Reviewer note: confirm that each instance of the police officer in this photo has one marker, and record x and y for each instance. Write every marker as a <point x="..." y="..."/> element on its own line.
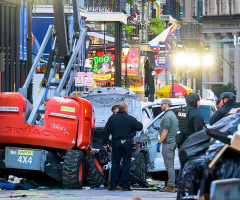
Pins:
<point x="228" y="101"/>
<point x="190" y="120"/>
<point x="122" y="127"/>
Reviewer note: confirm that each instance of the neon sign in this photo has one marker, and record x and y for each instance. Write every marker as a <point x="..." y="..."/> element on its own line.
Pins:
<point x="102" y="59"/>
<point x="102" y="64"/>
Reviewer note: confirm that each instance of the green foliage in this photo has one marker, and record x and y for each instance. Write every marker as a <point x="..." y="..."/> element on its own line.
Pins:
<point x="156" y="26"/>
<point x="130" y="2"/>
<point x="224" y="88"/>
<point x="113" y="31"/>
<point x="128" y="30"/>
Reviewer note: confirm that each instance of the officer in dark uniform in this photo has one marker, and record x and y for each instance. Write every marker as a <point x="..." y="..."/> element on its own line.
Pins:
<point x="190" y="119"/>
<point x="228" y="101"/>
<point x="122" y="127"/>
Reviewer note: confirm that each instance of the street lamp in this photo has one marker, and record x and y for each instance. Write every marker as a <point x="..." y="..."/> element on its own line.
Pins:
<point x="126" y="48"/>
<point x="194" y="60"/>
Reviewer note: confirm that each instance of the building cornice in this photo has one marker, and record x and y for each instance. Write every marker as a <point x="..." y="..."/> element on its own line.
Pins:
<point x="90" y="16"/>
<point x="207" y="18"/>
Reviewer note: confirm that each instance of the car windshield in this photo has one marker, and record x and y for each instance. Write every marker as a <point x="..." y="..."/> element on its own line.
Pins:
<point x="206" y="112"/>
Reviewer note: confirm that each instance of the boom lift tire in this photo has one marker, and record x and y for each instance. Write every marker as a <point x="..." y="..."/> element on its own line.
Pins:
<point x="95" y="176"/>
<point x="141" y="167"/>
<point x="4" y="174"/>
<point x="73" y="169"/>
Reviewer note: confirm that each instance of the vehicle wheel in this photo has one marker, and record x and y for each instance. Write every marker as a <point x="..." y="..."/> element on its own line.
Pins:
<point x="141" y="167"/>
<point x="73" y="169"/>
<point x="4" y="174"/>
<point x="95" y="176"/>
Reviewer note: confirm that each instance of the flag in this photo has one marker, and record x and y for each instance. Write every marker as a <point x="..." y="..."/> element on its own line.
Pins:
<point x="172" y="39"/>
<point x="161" y="37"/>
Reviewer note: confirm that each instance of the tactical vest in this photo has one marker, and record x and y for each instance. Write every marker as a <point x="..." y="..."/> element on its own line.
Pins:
<point x="183" y="122"/>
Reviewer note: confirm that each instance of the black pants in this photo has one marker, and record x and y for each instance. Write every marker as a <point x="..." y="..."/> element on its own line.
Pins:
<point x="125" y="151"/>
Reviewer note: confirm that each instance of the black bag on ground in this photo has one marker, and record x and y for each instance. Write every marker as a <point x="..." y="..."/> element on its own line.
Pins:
<point x="193" y="147"/>
<point x="192" y="174"/>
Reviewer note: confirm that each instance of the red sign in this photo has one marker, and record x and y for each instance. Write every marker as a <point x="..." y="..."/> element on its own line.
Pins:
<point x="101" y="53"/>
<point x="133" y="60"/>
<point x="159" y="70"/>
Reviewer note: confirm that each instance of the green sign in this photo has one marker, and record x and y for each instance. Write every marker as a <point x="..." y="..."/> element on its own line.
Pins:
<point x="67" y="109"/>
<point x="101" y="64"/>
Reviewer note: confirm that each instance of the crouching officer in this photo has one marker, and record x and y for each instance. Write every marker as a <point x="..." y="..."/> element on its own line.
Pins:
<point x="190" y="119"/>
<point x="228" y="101"/>
<point x="121" y="126"/>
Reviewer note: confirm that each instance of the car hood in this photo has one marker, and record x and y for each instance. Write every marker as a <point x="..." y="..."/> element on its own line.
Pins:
<point x="102" y="100"/>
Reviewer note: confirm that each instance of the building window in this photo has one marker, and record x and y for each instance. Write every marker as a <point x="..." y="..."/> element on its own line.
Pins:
<point x="210" y="7"/>
<point x="221" y="6"/>
<point x="230" y="6"/>
<point x="234" y="6"/>
<point x="218" y="4"/>
<point x="206" y="6"/>
<point x="194" y="8"/>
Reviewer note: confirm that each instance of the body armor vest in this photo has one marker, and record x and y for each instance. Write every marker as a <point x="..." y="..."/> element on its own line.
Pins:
<point x="183" y="122"/>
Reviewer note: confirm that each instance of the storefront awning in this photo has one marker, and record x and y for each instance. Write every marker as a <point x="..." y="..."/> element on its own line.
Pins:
<point x="101" y="36"/>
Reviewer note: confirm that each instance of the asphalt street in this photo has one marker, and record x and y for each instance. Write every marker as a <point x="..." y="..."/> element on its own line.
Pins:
<point x="102" y="194"/>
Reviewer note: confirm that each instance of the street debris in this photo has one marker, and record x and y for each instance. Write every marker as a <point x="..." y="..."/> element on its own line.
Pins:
<point x="213" y="154"/>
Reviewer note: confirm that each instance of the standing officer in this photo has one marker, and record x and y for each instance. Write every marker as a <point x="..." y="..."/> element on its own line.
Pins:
<point x="122" y="127"/>
<point x="228" y="101"/>
<point x="168" y="132"/>
<point x="190" y="120"/>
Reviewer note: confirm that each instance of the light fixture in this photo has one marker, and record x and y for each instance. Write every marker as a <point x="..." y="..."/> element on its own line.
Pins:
<point x="207" y="60"/>
<point x="193" y="60"/>
<point x="180" y="59"/>
<point x="87" y="64"/>
<point x="88" y="41"/>
<point x="125" y="49"/>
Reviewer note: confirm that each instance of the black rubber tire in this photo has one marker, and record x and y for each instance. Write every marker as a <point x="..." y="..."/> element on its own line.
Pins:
<point x="95" y="176"/>
<point x="73" y="175"/>
<point x="141" y="167"/>
<point x="4" y="174"/>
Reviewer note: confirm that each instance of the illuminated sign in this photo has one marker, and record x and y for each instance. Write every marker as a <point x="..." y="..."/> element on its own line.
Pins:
<point x="133" y="61"/>
<point x="103" y="77"/>
<point x="102" y="67"/>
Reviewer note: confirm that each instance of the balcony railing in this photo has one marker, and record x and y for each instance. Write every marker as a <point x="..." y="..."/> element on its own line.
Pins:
<point x="92" y="5"/>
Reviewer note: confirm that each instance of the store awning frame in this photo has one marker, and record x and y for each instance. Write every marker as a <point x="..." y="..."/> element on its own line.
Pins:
<point x="101" y="36"/>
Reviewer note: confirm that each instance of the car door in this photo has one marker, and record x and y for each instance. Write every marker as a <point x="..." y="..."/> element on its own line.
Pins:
<point x="149" y="137"/>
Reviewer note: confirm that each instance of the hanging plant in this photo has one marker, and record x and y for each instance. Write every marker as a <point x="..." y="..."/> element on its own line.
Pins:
<point x="129" y="30"/>
<point x="130" y="2"/>
<point x="113" y="31"/>
<point x="156" y="26"/>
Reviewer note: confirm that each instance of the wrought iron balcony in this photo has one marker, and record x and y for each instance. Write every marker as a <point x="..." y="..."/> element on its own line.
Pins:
<point x="92" y="5"/>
